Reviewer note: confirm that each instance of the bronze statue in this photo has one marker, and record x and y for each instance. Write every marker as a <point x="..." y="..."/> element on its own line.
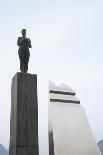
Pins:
<point x="23" y="52"/>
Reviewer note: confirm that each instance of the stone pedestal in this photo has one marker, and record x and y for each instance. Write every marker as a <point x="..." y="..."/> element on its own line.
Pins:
<point x="24" y="115"/>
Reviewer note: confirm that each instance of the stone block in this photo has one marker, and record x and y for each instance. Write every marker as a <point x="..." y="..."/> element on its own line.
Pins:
<point x="24" y="115"/>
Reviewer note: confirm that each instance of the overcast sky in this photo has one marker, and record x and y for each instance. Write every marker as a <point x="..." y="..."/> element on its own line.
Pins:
<point x="67" y="47"/>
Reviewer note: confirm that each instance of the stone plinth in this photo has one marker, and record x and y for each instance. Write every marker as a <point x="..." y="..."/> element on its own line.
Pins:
<point x="24" y="115"/>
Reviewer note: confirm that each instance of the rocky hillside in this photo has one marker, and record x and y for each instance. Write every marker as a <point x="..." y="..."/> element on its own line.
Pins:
<point x="100" y="145"/>
<point x="3" y="151"/>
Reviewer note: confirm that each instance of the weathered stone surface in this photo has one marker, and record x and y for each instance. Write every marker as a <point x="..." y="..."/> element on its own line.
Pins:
<point x="24" y="115"/>
<point x="25" y="151"/>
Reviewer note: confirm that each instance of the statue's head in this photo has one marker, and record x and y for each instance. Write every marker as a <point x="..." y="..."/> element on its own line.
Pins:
<point x="23" y="32"/>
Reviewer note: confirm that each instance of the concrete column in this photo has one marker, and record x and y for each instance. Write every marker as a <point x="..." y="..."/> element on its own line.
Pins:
<point x="24" y="115"/>
<point x="71" y="132"/>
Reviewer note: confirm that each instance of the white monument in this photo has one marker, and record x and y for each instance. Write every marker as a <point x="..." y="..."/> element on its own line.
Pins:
<point x="68" y="123"/>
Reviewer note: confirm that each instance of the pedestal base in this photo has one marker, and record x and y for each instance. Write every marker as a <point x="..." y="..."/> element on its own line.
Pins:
<point x="24" y="151"/>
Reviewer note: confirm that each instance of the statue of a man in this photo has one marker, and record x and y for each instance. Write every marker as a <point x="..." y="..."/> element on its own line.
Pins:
<point x="23" y="52"/>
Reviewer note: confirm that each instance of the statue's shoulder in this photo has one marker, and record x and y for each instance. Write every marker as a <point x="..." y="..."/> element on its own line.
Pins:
<point x="19" y="38"/>
<point x="28" y="39"/>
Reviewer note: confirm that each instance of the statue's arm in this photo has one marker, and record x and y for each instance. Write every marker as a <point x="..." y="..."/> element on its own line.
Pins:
<point x="29" y="43"/>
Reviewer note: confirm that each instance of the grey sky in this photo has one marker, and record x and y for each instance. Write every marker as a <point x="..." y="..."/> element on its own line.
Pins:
<point x="67" y="40"/>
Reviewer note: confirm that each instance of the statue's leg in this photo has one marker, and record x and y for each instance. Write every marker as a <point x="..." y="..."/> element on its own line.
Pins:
<point x="26" y="67"/>
<point x="22" y="67"/>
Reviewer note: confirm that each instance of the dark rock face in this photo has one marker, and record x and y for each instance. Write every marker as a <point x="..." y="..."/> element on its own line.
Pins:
<point x="3" y="151"/>
<point x="100" y="145"/>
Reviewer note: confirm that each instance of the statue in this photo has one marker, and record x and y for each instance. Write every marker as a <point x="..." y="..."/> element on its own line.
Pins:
<point x="23" y="52"/>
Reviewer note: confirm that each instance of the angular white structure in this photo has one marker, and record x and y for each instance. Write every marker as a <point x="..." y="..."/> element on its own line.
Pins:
<point x="68" y="123"/>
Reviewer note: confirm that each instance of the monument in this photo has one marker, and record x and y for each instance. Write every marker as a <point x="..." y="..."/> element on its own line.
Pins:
<point x="23" y="52"/>
<point x="69" y="130"/>
<point x="24" y="106"/>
